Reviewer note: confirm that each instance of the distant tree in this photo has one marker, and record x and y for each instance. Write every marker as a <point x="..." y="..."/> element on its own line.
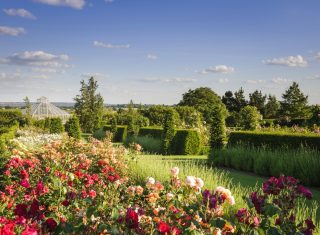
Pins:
<point x="204" y="100"/>
<point x="250" y="117"/>
<point x="294" y="103"/>
<point x="189" y="117"/>
<point x="240" y="100"/>
<point x="89" y="106"/>
<point x="258" y="100"/>
<point x="272" y="107"/>
<point x="72" y="127"/>
<point x="168" y="131"/>
<point x="28" y="108"/>
<point x="315" y="119"/>
<point x="230" y="102"/>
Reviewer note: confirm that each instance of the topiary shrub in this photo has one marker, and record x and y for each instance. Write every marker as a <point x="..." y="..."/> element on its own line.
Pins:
<point x="72" y="127"/>
<point x="186" y="142"/>
<point x="56" y="126"/>
<point x="217" y="128"/>
<point x="154" y="132"/>
<point x="119" y="136"/>
<point x="168" y="131"/>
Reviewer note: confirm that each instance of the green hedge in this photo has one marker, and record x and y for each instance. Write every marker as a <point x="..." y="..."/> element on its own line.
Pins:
<point x="5" y="136"/>
<point x="273" y="140"/>
<point x="186" y="142"/>
<point x="119" y="136"/>
<point x="154" y="132"/>
<point x="303" y="164"/>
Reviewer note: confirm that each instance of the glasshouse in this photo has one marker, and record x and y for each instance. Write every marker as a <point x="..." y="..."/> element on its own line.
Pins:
<point x="43" y="109"/>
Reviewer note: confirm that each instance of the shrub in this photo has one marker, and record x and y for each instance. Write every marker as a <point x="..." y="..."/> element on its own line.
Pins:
<point x="274" y="140"/>
<point x="56" y="126"/>
<point x="10" y="115"/>
<point x="148" y="143"/>
<point x="39" y="123"/>
<point x="154" y="132"/>
<point x="72" y="127"/>
<point x="168" y="131"/>
<point x="217" y="127"/>
<point x="250" y="118"/>
<point x="186" y="142"/>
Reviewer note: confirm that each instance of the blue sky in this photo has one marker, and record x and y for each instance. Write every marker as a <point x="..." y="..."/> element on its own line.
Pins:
<point x="153" y="51"/>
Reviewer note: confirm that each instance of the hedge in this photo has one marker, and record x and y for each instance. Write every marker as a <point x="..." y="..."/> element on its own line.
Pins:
<point x="274" y="140"/>
<point x="119" y="136"/>
<point x="7" y="135"/>
<point x="186" y="142"/>
<point x="154" y="132"/>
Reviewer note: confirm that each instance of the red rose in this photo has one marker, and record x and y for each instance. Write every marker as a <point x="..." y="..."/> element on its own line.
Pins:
<point x="175" y="230"/>
<point x="24" y="174"/>
<point x="30" y="231"/>
<point x="163" y="227"/>
<point x="132" y="219"/>
<point x="25" y="183"/>
<point x="21" y="210"/>
<point x="92" y="193"/>
<point x="7" y="229"/>
<point x="51" y="224"/>
<point x="66" y="203"/>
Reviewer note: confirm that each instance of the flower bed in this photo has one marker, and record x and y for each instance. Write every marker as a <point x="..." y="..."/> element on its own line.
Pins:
<point x="71" y="187"/>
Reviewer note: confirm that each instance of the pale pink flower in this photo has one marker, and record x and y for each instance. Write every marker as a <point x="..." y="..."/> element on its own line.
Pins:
<point x="191" y="181"/>
<point x="231" y="200"/>
<point x="175" y="171"/>
<point x="199" y="183"/>
<point x="169" y="196"/>
<point x="139" y="190"/>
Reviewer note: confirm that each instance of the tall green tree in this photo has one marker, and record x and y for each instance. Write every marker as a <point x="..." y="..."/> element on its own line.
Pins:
<point x="258" y="100"/>
<point x="72" y="127"/>
<point x="89" y="106"/>
<point x="230" y="101"/>
<point x="240" y="100"/>
<point x="168" y="131"/>
<point x="272" y="107"/>
<point x="294" y="103"/>
<point x="250" y="118"/>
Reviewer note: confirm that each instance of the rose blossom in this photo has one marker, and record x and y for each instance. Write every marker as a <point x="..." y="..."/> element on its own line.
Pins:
<point x="139" y="190"/>
<point x="199" y="183"/>
<point x="169" y="196"/>
<point x="175" y="171"/>
<point x="191" y="181"/>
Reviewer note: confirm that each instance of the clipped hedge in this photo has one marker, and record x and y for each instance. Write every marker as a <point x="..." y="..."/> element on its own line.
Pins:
<point x="186" y="142"/>
<point x="154" y="132"/>
<point x="272" y="140"/>
<point x="119" y="136"/>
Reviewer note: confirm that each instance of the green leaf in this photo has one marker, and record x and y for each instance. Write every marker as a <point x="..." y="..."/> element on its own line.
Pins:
<point x="90" y="211"/>
<point x="273" y="231"/>
<point x="115" y="214"/>
<point x="218" y="222"/>
<point x="271" y="209"/>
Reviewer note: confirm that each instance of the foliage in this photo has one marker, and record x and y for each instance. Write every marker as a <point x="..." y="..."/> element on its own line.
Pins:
<point x="240" y="100"/>
<point x="258" y="100"/>
<point x="156" y="114"/>
<point x="233" y="119"/>
<point x="230" y="101"/>
<point x="56" y="126"/>
<point x="272" y="107"/>
<point x="250" y="118"/>
<point x="168" y="131"/>
<point x="274" y="140"/>
<point x="189" y="117"/>
<point x="9" y="117"/>
<point x="119" y="136"/>
<point x="72" y="127"/>
<point x="301" y="163"/>
<point x="148" y="143"/>
<point x="294" y="104"/>
<point x="315" y="119"/>
<point x="186" y="142"/>
<point x="28" y="110"/>
<point x="89" y="106"/>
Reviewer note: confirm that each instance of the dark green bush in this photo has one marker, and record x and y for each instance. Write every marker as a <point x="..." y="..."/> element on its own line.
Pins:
<point x="56" y="125"/>
<point x="154" y="132"/>
<point x="72" y="127"/>
<point x="8" y="115"/>
<point x="186" y="142"/>
<point x="119" y="136"/>
<point x="274" y="140"/>
<point x="39" y="123"/>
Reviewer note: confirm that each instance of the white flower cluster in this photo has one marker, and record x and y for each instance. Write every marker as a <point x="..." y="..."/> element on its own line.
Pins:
<point x="35" y="141"/>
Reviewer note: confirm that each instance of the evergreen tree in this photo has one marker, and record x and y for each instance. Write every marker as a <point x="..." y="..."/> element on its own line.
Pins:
<point x="229" y="100"/>
<point x="168" y="131"/>
<point x="240" y="100"/>
<point x="56" y="126"/>
<point x="295" y="103"/>
<point x="258" y="100"/>
<point x="218" y="134"/>
<point x="272" y="107"/>
<point x="89" y="106"/>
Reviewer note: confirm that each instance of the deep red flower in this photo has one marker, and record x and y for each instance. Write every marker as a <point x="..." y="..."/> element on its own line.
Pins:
<point x="66" y="203"/>
<point x="51" y="224"/>
<point x="34" y="208"/>
<point x="163" y="227"/>
<point x="7" y="229"/>
<point x="175" y="230"/>
<point x="304" y="191"/>
<point x="21" y="210"/>
<point x="24" y="174"/>
<point x="92" y="193"/>
<point x="132" y="219"/>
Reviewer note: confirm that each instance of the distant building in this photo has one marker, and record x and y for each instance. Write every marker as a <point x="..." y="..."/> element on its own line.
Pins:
<point x="44" y="109"/>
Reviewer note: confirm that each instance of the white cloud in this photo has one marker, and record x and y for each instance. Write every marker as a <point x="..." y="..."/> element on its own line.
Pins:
<point x="95" y="75"/>
<point x="315" y="77"/>
<point x="47" y="70"/>
<point x="169" y="80"/>
<point x="5" y="30"/>
<point x="255" y="81"/>
<point x="280" y="80"/>
<point x="19" y="12"/>
<point x="290" y="61"/>
<point x="317" y="56"/>
<point x="110" y="46"/>
<point x="36" y="59"/>
<point x="9" y="76"/>
<point x="218" y="69"/>
<point x="152" y="57"/>
<point x="223" y="80"/>
<point x="76" y="4"/>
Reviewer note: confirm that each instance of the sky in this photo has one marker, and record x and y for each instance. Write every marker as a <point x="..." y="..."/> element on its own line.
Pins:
<point x="153" y="51"/>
